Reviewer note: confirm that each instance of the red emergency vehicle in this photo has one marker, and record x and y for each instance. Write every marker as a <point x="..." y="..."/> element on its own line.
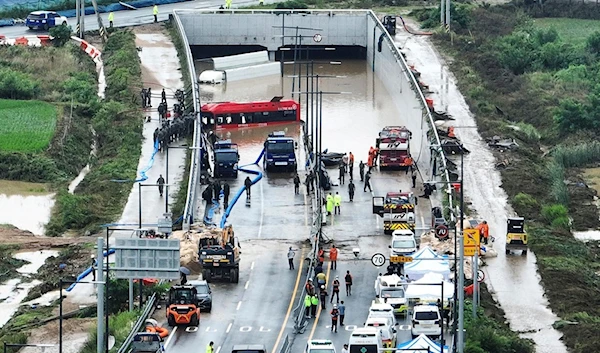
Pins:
<point x="232" y="115"/>
<point x="394" y="147"/>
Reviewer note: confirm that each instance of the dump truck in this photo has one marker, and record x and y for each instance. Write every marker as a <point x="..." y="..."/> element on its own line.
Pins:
<point x="394" y="147"/>
<point x="397" y="210"/>
<point x="219" y="255"/>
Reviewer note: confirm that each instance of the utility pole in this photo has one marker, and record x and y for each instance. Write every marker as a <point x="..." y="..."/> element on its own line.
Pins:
<point x="100" y="294"/>
<point x="461" y="270"/>
<point x="82" y="19"/>
<point x="448" y="15"/>
<point x="101" y="28"/>
<point x="77" y="17"/>
<point x="442" y="13"/>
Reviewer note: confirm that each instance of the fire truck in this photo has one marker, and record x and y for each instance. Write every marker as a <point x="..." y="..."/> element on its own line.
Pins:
<point x="397" y="210"/>
<point x="394" y="147"/>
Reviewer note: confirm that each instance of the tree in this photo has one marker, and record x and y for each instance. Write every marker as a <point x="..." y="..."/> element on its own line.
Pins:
<point x="593" y="43"/>
<point x="61" y="35"/>
<point x="571" y="116"/>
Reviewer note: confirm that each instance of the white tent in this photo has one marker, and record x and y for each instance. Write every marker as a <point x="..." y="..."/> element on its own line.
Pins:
<point x="425" y="253"/>
<point x="421" y="342"/>
<point x="419" y="289"/>
<point x="427" y="261"/>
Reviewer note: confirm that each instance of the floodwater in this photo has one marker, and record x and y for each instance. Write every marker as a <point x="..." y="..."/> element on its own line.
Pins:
<point x="26" y="206"/>
<point x="513" y="279"/>
<point x="15" y="290"/>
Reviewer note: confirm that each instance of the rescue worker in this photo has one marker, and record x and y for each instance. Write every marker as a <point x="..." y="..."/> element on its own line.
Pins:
<point x="228" y="4"/>
<point x="334" y="318"/>
<point x="207" y="194"/>
<point x="155" y="13"/>
<point x="350" y="162"/>
<point x="333" y="254"/>
<point x="319" y="268"/>
<point x="361" y="170"/>
<point x="161" y="184"/>
<point x="314" y="301"/>
<point x="368" y="182"/>
<point x="296" y="184"/>
<point x="163" y="96"/>
<point x="351" y="189"/>
<point x="337" y="202"/>
<point x="409" y="162"/>
<point x="335" y="290"/>
<point x="342" y="310"/>
<point x="321" y="280"/>
<point x="217" y="190"/>
<point x="248" y="184"/>
<point x="290" y="256"/>
<point x="111" y="18"/>
<point x="414" y="179"/>
<point x="307" y="305"/>
<point x="310" y="287"/>
<point x="226" y="195"/>
<point x="148" y="97"/>
<point x="322" y="296"/>
<point x="261" y="2"/>
<point x="210" y="348"/>
<point x="375" y="156"/>
<point x="342" y="172"/>
<point x="321" y="256"/>
<point x="93" y="269"/>
<point x="348" y="280"/>
<point x="143" y="95"/>
<point x="370" y="160"/>
<point x="484" y="231"/>
<point x="329" y="206"/>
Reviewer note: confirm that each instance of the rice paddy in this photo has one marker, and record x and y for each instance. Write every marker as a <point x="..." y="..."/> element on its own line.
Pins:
<point x="26" y="126"/>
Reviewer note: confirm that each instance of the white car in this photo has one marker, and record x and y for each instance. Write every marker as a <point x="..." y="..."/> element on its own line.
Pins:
<point x="320" y="346"/>
<point x="390" y="290"/>
<point x="388" y="331"/>
<point x="426" y="319"/>
<point x="382" y="310"/>
<point x="403" y="243"/>
<point x="45" y="20"/>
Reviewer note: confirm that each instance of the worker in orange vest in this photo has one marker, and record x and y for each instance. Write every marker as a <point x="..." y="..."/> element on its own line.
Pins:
<point x="451" y="131"/>
<point x="333" y="254"/>
<point x="484" y="231"/>
<point x="321" y="255"/>
<point x="350" y="163"/>
<point x="408" y="161"/>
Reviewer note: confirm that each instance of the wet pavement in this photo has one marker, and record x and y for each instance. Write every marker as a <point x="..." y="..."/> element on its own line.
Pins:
<point x="508" y="276"/>
<point x="256" y="312"/>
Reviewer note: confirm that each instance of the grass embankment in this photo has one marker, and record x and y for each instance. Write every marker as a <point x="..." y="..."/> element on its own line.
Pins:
<point x="23" y="129"/>
<point x="118" y="124"/>
<point x="516" y="71"/>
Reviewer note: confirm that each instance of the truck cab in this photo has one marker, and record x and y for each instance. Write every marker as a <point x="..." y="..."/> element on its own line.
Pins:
<point x="280" y="153"/>
<point x="226" y="158"/>
<point x="397" y="210"/>
<point x="394" y="147"/>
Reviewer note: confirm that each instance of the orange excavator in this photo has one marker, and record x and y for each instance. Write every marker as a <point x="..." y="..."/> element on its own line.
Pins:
<point x="183" y="309"/>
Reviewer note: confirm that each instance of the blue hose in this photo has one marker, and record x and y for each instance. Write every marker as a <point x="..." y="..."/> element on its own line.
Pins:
<point x="259" y="176"/>
<point x="89" y="270"/>
<point x="143" y="176"/>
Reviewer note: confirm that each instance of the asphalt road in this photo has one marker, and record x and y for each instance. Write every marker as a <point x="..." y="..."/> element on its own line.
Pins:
<point x="130" y="18"/>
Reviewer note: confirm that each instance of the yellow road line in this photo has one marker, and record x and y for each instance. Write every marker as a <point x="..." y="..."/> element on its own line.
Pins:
<point x="312" y="331"/>
<point x="289" y="310"/>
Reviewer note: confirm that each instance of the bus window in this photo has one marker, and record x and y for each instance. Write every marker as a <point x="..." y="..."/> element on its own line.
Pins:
<point x="261" y="117"/>
<point x="220" y="120"/>
<point x="228" y="119"/>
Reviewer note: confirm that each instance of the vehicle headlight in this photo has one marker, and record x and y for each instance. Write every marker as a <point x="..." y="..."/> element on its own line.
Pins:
<point x="204" y="253"/>
<point x="235" y="166"/>
<point x="292" y="159"/>
<point x="269" y="159"/>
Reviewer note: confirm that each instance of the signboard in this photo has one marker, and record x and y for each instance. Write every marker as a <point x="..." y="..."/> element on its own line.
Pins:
<point x="165" y="224"/>
<point x="480" y="276"/>
<point x="396" y="259"/>
<point x="146" y="258"/>
<point x="378" y="260"/>
<point x="441" y="231"/>
<point x="471" y="241"/>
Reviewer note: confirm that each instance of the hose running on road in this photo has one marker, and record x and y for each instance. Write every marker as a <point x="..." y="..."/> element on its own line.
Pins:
<point x="411" y="31"/>
<point x="259" y="176"/>
<point x="143" y="176"/>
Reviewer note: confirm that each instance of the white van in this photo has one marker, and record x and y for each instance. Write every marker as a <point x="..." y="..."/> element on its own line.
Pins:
<point x="426" y="320"/>
<point x="390" y="290"/>
<point x="388" y="331"/>
<point x="403" y="243"/>
<point x="320" y="346"/>
<point x="365" y="340"/>
<point x="382" y="310"/>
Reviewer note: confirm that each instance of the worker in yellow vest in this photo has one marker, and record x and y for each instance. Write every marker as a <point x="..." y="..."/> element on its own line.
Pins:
<point x="261" y="2"/>
<point x="227" y="4"/>
<point x="155" y="13"/>
<point x="111" y="18"/>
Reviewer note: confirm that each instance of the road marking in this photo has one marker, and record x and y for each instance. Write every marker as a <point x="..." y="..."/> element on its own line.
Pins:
<point x="422" y="221"/>
<point x="238" y="306"/>
<point x="170" y="336"/>
<point x="247" y="283"/>
<point x="252" y="266"/>
<point x="289" y="310"/>
<point x="229" y="327"/>
<point x="312" y="331"/>
<point x="262" y="210"/>
<point x="191" y="329"/>
<point x="218" y="349"/>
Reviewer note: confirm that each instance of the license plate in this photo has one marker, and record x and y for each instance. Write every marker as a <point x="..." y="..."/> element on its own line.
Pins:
<point x="280" y="163"/>
<point x="426" y="326"/>
<point x="216" y="264"/>
<point x="393" y="159"/>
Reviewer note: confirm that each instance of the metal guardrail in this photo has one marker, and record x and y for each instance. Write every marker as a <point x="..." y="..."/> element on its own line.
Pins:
<point x="286" y="345"/>
<point x="138" y="324"/>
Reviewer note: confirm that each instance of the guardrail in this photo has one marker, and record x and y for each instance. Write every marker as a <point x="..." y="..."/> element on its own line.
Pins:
<point x="138" y="324"/>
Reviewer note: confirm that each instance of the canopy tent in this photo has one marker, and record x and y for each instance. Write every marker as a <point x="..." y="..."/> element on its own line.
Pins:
<point x="428" y="262"/>
<point x="421" y="290"/>
<point x="421" y="342"/>
<point x="426" y="253"/>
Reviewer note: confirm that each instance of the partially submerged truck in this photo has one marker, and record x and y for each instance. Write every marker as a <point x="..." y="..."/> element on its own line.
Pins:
<point x="280" y="153"/>
<point x="226" y="158"/>
<point x="394" y="147"/>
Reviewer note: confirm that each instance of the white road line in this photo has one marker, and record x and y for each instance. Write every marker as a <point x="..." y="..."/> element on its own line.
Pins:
<point x="218" y="349"/>
<point x="170" y="336"/>
<point x="247" y="283"/>
<point x="252" y="266"/>
<point x="238" y="306"/>
<point x="229" y="327"/>
<point x="422" y="221"/>
<point x="262" y="210"/>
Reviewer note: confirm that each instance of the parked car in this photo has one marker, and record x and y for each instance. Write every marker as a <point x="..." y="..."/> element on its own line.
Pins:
<point x="426" y="320"/>
<point x="203" y="294"/>
<point x="44" y="20"/>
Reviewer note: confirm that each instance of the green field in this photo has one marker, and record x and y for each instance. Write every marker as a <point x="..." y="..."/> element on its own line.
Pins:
<point x="570" y="29"/>
<point x="26" y="126"/>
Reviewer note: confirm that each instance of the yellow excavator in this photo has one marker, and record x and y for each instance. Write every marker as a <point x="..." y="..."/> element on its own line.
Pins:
<point x="516" y="236"/>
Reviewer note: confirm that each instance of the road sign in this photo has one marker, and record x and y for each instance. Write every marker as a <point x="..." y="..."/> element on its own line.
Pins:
<point x="378" y="260"/>
<point x="480" y="276"/>
<point x="146" y="258"/>
<point x="397" y="259"/>
<point x="441" y="231"/>
<point x="317" y="38"/>
<point x="471" y="241"/>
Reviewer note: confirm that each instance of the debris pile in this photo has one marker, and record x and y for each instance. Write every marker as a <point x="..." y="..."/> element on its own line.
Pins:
<point x="189" y="244"/>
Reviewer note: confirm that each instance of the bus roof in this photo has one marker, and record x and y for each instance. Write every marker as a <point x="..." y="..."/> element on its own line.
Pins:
<point x="249" y="107"/>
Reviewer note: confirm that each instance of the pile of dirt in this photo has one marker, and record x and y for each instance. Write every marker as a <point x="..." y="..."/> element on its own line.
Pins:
<point x="27" y="240"/>
<point x="189" y="244"/>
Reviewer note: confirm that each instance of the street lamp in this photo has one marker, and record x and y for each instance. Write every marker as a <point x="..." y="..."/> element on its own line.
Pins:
<point x="140" y="185"/>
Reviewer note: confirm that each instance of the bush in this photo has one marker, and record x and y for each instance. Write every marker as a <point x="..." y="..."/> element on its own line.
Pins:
<point x="16" y="85"/>
<point x="552" y="212"/>
<point x="517" y="52"/>
<point x="292" y="5"/>
<point x="61" y="34"/>
<point x="593" y="43"/>
<point x="76" y="212"/>
<point x="525" y="204"/>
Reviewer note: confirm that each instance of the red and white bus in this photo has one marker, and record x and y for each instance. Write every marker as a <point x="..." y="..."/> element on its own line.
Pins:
<point x="232" y="115"/>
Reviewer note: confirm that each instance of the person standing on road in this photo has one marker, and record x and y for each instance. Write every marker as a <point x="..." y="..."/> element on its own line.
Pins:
<point x="342" y="172"/>
<point x="350" y="163"/>
<point x="351" y="189"/>
<point x="314" y="301"/>
<point x="414" y="179"/>
<point x="348" y="280"/>
<point x="329" y="204"/>
<point x="161" y="184"/>
<point x="111" y="19"/>
<point x="345" y="349"/>
<point x="307" y="305"/>
<point x="361" y="170"/>
<point x="217" y="190"/>
<point x="310" y="287"/>
<point x="337" y="202"/>
<point x="333" y="254"/>
<point x="335" y="290"/>
<point x="297" y="184"/>
<point x="321" y="279"/>
<point x="334" y="318"/>
<point x="290" y="256"/>
<point x="93" y="269"/>
<point x="367" y="182"/>
<point x="226" y="194"/>
<point x="323" y="296"/>
<point x="155" y="13"/>
<point x="342" y="310"/>
<point x="248" y="185"/>
<point x="163" y="96"/>
<point x="210" y="348"/>
<point x="148" y="97"/>
<point x="228" y="4"/>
